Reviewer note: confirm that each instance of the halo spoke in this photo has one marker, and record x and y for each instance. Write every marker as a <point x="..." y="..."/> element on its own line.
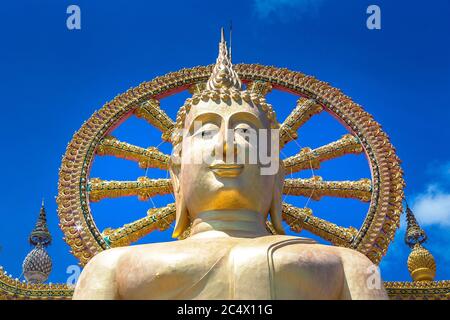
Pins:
<point x="147" y="158"/>
<point x="159" y="218"/>
<point x="304" y="110"/>
<point x="302" y="218"/>
<point x="150" y="111"/>
<point x="144" y="188"/>
<point x="316" y="188"/>
<point x="269" y="227"/>
<point x="307" y="158"/>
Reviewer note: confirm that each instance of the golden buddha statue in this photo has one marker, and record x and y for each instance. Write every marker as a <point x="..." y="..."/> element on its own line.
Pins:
<point x="224" y="204"/>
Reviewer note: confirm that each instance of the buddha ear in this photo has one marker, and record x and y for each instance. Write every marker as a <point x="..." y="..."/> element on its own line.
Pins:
<point x="182" y="216"/>
<point x="276" y="207"/>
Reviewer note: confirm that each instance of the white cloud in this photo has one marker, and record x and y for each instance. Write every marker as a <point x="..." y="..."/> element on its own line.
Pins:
<point x="433" y="207"/>
<point x="285" y="9"/>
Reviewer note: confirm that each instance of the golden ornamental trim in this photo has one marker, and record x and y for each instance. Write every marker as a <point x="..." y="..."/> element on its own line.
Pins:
<point x="144" y="188"/>
<point x="150" y="110"/>
<point x="308" y="158"/>
<point x="316" y="188"/>
<point x="158" y="218"/>
<point x="302" y="218"/>
<point x="304" y="110"/>
<point x="14" y="289"/>
<point x="418" y="290"/>
<point x="147" y="158"/>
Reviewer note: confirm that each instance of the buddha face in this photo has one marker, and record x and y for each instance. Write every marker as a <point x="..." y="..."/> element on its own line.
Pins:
<point x="217" y="171"/>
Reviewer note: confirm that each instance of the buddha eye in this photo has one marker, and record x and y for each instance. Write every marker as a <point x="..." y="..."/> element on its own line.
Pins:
<point x="207" y="134"/>
<point x="243" y="133"/>
<point x="207" y="131"/>
<point x="241" y="130"/>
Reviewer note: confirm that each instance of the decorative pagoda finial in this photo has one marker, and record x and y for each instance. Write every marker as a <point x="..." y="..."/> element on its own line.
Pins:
<point x="414" y="233"/>
<point x="223" y="76"/>
<point x="40" y="233"/>
<point x="37" y="264"/>
<point x="421" y="264"/>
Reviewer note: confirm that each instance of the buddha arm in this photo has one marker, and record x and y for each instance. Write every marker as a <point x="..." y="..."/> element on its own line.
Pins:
<point x="362" y="277"/>
<point x="98" y="279"/>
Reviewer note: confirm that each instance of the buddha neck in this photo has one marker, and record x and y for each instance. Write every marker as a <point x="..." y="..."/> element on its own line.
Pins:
<point x="228" y="223"/>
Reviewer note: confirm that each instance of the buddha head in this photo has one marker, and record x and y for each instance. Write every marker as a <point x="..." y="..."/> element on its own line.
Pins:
<point x="225" y="149"/>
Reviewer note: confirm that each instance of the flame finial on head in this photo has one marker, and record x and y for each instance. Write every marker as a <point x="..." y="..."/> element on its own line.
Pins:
<point x="223" y="76"/>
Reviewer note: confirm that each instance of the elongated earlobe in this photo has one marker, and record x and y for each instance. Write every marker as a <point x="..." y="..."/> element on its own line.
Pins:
<point x="276" y="206"/>
<point x="182" y="215"/>
<point x="182" y="218"/>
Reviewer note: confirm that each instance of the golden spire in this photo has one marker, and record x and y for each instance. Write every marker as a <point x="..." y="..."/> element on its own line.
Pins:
<point x="223" y="76"/>
<point x="421" y="264"/>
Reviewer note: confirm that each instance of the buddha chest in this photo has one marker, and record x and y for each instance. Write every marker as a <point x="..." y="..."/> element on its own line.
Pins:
<point x="272" y="267"/>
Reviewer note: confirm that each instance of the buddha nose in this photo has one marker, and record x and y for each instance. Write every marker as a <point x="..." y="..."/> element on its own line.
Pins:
<point x="227" y="143"/>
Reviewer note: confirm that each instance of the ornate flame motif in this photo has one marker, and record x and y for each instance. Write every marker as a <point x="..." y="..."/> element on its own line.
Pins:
<point x="223" y="76"/>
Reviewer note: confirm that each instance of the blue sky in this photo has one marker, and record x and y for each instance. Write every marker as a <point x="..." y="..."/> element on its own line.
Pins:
<point x="53" y="79"/>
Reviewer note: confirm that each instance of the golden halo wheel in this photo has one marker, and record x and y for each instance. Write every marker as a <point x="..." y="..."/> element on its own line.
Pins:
<point x="384" y="190"/>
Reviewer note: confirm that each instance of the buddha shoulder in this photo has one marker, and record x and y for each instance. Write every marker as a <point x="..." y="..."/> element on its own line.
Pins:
<point x="315" y="271"/>
<point x="292" y="252"/>
<point x="139" y="272"/>
<point x="98" y="278"/>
